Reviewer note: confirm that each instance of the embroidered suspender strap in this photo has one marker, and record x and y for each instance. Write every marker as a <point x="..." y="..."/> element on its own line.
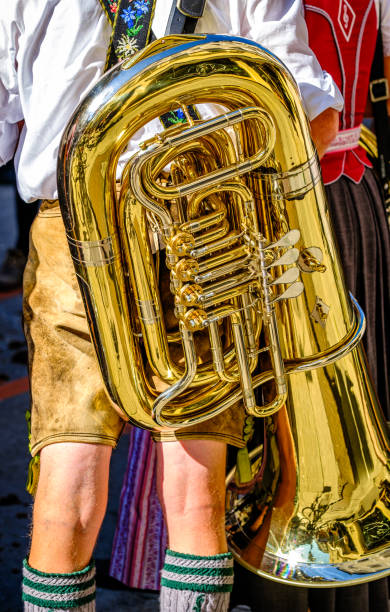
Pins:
<point x="379" y="93"/>
<point x="131" y="25"/>
<point x="131" y="31"/>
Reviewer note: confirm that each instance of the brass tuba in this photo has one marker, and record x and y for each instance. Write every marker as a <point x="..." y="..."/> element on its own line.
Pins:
<point x="235" y="206"/>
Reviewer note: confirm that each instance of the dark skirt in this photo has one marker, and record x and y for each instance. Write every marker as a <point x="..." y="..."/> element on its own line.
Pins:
<point x="364" y="242"/>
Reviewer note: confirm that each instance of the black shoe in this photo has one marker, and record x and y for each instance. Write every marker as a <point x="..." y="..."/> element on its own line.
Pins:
<point x="11" y="270"/>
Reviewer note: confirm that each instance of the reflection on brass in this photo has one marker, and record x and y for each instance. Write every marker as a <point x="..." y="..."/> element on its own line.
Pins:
<point x="368" y="141"/>
<point x="288" y="240"/>
<point x="320" y="312"/>
<point x="294" y="183"/>
<point x="310" y="260"/>
<point x="232" y="202"/>
<point x="149" y="311"/>
<point x="289" y="257"/>
<point x="93" y="252"/>
<point x="289" y="276"/>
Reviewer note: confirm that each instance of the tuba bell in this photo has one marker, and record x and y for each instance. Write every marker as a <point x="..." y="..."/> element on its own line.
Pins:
<point x="220" y="234"/>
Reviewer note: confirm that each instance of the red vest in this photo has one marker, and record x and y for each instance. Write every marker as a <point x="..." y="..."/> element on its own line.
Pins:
<point x="342" y="34"/>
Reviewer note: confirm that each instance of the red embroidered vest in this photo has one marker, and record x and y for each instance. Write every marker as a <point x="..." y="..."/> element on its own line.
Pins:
<point x="342" y="34"/>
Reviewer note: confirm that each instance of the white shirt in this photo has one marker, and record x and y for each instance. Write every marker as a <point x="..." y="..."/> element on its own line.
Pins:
<point x="53" y="51"/>
<point x="383" y="13"/>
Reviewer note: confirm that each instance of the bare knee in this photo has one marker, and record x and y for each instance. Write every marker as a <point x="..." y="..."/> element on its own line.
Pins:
<point x="73" y="481"/>
<point x="191" y="483"/>
<point x="70" y="504"/>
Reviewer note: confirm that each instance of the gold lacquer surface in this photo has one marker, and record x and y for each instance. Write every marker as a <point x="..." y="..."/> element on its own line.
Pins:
<point x="319" y="515"/>
<point x="214" y="271"/>
<point x="237" y="76"/>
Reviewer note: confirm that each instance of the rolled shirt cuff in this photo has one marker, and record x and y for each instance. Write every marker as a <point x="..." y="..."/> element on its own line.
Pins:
<point x="320" y="94"/>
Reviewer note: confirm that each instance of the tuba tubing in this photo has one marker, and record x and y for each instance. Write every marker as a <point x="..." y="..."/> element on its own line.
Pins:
<point x="253" y="268"/>
<point x="211" y="69"/>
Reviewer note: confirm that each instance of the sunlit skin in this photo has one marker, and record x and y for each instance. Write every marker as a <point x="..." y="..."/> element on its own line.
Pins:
<point x="191" y="486"/>
<point x="324" y="130"/>
<point x="72" y="493"/>
<point x="69" y="506"/>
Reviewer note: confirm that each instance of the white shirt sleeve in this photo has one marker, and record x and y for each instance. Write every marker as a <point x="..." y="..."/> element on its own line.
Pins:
<point x="279" y="25"/>
<point x="59" y="49"/>
<point x="10" y="110"/>
<point x="52" y="52"/>
<point x="385" y="25"/>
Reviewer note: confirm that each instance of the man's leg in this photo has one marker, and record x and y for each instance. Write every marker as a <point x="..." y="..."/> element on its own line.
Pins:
<point x="198" y="570"/>
<point x="69" y="508"/>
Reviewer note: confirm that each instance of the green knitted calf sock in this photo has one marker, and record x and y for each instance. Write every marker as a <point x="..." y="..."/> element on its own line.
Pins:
<point x="196" y="584"/>
<point x="75" y="592"/>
